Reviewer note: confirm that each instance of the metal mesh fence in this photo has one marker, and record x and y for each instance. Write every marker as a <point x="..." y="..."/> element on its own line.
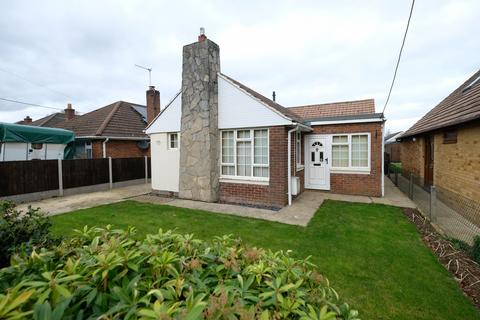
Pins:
<point x="457" y="215"/>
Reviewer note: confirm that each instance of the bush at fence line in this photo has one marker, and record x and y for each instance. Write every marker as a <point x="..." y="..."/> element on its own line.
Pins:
<point x="106" y="274"/>
<point x="21" y="232"/>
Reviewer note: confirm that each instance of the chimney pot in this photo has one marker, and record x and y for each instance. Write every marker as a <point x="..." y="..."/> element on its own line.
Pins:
<point x="69" y="112"/>
<point x="202" y="36"/>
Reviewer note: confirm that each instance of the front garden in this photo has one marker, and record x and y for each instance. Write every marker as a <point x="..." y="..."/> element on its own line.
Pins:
<point x="371" y="254"/>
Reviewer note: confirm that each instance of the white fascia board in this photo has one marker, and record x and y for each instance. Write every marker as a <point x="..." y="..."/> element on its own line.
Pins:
<point x="322" y="123"/>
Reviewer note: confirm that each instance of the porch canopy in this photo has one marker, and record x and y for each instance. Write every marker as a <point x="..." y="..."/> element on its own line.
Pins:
<point x="10" y="132"/>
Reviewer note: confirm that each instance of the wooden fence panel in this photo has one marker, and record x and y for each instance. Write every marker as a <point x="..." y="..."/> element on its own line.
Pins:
<point x="124" y="169"/>
<point x="84" y="172"/>
<point x="19" y="177"/>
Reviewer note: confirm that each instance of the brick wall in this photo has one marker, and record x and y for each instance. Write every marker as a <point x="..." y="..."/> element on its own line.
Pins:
<point x="457" y="165"/>
<point x="358" y="184"/>
<point x="412" y="156"/>
<point x="118" y="149"/>
<point x="274" y="194"/>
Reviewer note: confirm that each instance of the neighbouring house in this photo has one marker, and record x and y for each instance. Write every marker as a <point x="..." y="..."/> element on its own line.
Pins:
<point x="219" y="140"/>
<point x="22" y="142"/>
<point x="392" y="147"/>
<point x="443" y="147"/>
<point x="116" y="130"/>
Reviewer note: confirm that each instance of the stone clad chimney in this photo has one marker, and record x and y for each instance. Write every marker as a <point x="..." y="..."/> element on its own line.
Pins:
<point x="69" y="112"/>
<point x="199" y="144"/>
<point x="153" y="103"/>
<point x="27" y="120"/>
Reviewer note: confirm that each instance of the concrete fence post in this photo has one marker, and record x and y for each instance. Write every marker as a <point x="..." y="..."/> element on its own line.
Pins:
<point x="410" y="185"/>
<point x="110" y="173"/>
<point x="433" y="204"/>
<point x="146" y="170"/>
<point x="396" y="178"/>
<point x="60" y="178"/>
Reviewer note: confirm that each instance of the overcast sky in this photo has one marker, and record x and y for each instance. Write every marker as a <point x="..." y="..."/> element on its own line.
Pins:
<point x="83" y="52"/>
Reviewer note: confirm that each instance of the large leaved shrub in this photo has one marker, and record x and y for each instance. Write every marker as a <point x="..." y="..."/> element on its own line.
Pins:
<point x="107" y="274"/>
<point x="21" y="231"/>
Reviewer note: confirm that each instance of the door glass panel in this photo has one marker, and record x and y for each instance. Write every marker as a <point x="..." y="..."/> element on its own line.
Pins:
<point x="313" y="156"/>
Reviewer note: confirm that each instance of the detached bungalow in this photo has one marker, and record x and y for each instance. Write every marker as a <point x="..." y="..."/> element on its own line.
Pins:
<point x="218" y="140"/>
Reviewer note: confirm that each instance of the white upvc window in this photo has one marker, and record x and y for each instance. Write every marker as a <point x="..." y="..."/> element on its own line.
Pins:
<point x="245" y="154"/>
<point x="173" y="140"/>
<point x="351" y="152"/>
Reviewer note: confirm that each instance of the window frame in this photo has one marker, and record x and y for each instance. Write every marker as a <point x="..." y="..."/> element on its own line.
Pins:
<point x="449" y="139"/>
<point x="253" y="165"/>
<point x="350" y="168"/>
<point x="169" y="140"/>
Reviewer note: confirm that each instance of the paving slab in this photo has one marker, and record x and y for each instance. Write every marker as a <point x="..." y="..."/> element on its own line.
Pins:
<point x="58" y="205"/>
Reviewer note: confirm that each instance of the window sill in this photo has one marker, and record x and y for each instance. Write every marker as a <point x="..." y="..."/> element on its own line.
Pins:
<point x="300" y="167"/>
<point x="260" y="182"/>
<point x="350" y="170"/>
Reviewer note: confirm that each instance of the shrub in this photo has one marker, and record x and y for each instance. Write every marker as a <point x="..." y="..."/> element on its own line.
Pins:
<point x="473" y="251"/>
<point x="106" y="274"/>
<point x="21" y="231"/>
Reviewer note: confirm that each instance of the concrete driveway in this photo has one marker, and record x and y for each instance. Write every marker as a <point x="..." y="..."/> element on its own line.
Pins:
<point x="58" y="205"/>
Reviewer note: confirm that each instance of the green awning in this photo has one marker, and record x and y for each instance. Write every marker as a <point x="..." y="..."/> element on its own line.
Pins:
<point x="10" y="132"/>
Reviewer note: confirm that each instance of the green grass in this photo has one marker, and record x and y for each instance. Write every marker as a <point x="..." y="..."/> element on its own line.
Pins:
<point x="370" y="253"/>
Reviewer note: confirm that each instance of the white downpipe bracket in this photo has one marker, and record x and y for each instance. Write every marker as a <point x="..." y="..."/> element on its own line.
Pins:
<point x="289" y="161"/>
<point x="104" y="145"/>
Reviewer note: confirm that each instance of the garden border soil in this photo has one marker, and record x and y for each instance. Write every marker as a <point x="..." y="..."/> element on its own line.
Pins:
<point x="464" y="270"/>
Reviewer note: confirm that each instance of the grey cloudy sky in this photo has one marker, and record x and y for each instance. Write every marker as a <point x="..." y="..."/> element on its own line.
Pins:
<point x="307" y="51"/>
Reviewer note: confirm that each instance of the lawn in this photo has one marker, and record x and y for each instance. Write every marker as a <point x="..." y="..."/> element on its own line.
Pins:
<point x="370" y="253"/>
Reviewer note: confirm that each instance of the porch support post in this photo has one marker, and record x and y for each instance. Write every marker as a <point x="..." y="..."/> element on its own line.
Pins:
<point x="289" y="162"/>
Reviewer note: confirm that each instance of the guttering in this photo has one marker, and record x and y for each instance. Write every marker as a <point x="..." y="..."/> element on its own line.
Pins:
<point x="319" y="123"/>
<point x="104" y="146"/>
<point x="112" y="138"/>
<point x="289" y="163"/>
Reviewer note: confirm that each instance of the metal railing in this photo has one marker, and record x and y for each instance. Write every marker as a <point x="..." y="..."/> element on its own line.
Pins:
<point x="456" y="215"/>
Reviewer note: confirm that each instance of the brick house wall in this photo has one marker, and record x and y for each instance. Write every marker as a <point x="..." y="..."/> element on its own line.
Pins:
<point x="394" y="150"/>
<point x="412" y="157"/>
<point x="273" y="195"/>
<point x="358" y="184"/>
<point x="457" y="165"/>
<point x="118" y="149"/>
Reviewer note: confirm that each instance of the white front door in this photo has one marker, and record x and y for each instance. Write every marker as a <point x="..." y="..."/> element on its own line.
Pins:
<point x="317" y="158"/>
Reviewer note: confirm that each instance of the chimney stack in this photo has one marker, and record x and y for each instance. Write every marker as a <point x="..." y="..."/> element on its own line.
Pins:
<point x="153" y="103"/>
<point x="27" y="120"/>
<point x="199" y="138"/>
<point x="69" y="112"/>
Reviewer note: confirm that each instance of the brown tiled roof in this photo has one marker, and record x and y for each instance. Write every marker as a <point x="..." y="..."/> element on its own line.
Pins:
<point x="326" y="110"/>
<point x="52" y="120"/>
<point x="462" y="105"/>
<point x="119" y="119"/>
<point x="281" y="109"/>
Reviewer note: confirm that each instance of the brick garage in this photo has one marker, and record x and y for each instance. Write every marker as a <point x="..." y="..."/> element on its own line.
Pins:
<point x="358" y="184"/>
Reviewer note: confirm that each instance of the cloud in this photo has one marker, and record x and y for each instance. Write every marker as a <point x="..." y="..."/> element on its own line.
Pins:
<point x="308" y="52"/>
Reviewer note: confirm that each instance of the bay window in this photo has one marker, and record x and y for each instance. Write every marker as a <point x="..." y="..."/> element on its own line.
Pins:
<point x="244" y="154"/>
<point x="351" y="152"/>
